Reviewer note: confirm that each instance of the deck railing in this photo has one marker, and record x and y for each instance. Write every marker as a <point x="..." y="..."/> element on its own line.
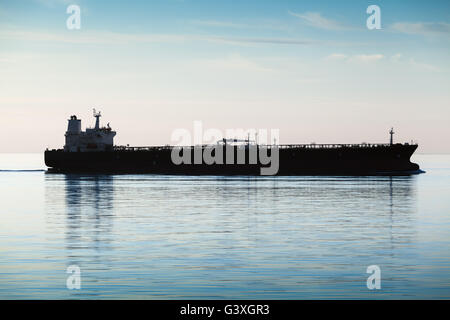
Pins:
<point x="281" y="146"/>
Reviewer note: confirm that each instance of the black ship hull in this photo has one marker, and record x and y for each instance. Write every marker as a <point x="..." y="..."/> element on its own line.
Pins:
<point x="293" y="160"/>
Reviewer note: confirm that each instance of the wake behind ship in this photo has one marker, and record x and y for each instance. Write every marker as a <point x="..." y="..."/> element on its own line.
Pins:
<point x="93" y="151"/>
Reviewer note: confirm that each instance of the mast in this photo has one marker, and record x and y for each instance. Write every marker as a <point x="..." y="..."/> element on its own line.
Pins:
<point x="391" y="132"/>
<point x="97" y="116"/>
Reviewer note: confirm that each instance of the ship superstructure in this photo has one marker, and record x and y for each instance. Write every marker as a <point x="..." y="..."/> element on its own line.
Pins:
<point x="95" y="139"/>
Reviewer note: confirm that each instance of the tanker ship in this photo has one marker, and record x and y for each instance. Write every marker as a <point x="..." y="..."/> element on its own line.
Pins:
<point x="93" y="151"/>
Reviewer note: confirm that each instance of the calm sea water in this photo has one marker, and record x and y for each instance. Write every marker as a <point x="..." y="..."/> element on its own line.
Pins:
<point x="165" y="237"/>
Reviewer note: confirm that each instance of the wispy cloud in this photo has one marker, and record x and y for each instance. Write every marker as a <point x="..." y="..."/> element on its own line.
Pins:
<point x="215" y="23"/>
<point x="260" y="24"/>
<point x="397" y="59"/>
<point x="122" y="38"/>
<point x="336" y="57"/>
<point x="87" y="38"/>
<point x="286" y="41"/>
<point x="316" y="20"/>
<point x="423" y="66"/>
<point x="362" y="58"/>
<point x="367" y="58"/>
<point x="411" y="62"/>
<point x="234" y="62"/>
<point x="423" y="28"/>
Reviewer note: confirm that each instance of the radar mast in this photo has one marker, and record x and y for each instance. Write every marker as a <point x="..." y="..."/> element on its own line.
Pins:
<point x="391" y="132"/>
<point x="97" y="116"/>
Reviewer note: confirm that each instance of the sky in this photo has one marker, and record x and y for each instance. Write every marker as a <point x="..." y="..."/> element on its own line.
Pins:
<point x="311" y="69"/>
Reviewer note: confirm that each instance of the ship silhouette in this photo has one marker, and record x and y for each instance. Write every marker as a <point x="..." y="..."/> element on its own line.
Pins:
<point x="93" y="151"/>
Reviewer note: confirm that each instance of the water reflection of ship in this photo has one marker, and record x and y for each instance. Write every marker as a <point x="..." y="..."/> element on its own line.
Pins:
<point x="89" y="208"/>
<point x="331" y="219"/>
<point x="382" y="206"/>
<point x="386" y="203"/>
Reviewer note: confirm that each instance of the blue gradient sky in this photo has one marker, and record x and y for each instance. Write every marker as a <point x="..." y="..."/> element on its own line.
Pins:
<point x="310" y="68"/>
